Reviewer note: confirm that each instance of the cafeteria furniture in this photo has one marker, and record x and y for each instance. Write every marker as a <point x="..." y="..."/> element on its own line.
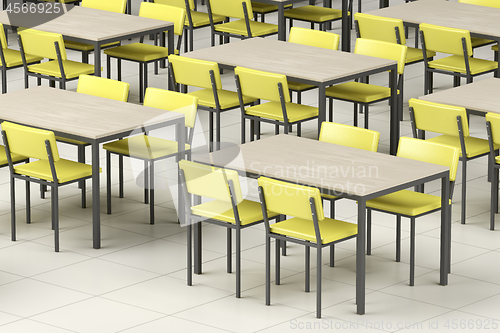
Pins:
<point x="452" y="123"/>
<point x="149" y="148"/>
<point x="313" y="163"/>
<point x="308" y="226"/>
<point x="93" y="26"/>
<point x="492" y="126"/>
<point x="279" y="110"/>
<point x="263" y="9"/>
<point x="86" y="118"/>
<point x="48" y="169"/>
<point x="323" y="16"/>
<point x="142" y="53"/>
<point x="477" y="42"/>
<point x="305" y="64"/>
<point x="227" y="209"/>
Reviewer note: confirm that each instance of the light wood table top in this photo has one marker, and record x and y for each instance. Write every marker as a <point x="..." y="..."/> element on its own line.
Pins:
<point x="479" y="20"/>
<point x="293" y="60"/>
<point x="479" y="96"/>
<point x="76" y="114"/>
<point x="90" y="24"/>
<point x="350" y="171"/>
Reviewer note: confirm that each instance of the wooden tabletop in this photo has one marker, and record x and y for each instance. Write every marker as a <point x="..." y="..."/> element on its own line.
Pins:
<point x="77" y="114"/>
<point x="479" y="20"/>
<point x="89" y="24"/>
<point x="293" y="60"/>
<point x="323" y="165"/>
<point x="478" y="96"/>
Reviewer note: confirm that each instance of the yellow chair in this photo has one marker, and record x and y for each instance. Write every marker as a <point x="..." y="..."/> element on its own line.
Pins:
<point x="443" y="119"/>
<point x="364" y="93"/>
<point x="49" y="169"/>
<point x="51" y="46"/>
<point x="316" y="14"/>
<point x="243" y="26"/>
<point x="493" y="129"/>
<point x="116" y="6"/>
<point x="263" y="9"/>
<point x="148" y="148"/>
<point x="10" y="59"/>
<point x="279" y="111"/>
<point x="460" y="64"/>
<point x="227" y="208"/>
<point x="146" y="53"/>
<point x="308" y="227"/>
<point x="414" y="204"/>
<point x="211" y="96"/>
<point x="326" y="40"/>
<point x="194" y="19"/>
<point x="476" y="41"/>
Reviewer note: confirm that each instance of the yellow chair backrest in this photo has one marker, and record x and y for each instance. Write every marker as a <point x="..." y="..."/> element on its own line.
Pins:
<point x="311" y="37"/>
<point x="380" y="28"/>
<point x="41" y="43"/>
<point x="29" y="141"/>
<point x="438" y="118"/>
<point x="173" y="101"/>
<point x="102" y="87"/>
<point x="431" y="152"/>
<point x="349" y="136"/>
<point x="486" y="3"/>
<point x="194" y="72"/>
<point x="210" y="182"/>
<point x="176" y="3"/>
<point x="117" y="6"/>
<point x="379" y="49"/>
<point x="3" y="40"/>
<point x="290" y="199"/>
<point x="165" y="13"/>
<point x="494" y="120"/>
<point x="263" y="85"/>
<point x="231" y="8"/>
<point x="446" y="40"/>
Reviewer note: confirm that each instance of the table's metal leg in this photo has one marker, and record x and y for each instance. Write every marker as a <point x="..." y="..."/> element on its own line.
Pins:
<point x="360" y="258"/>
<point x="281" y="22"/>
<point x="445" y="257"/>
<point x="394" y="136"/>
<point x="97" y="59"/>
<point x="346" y="31"/>
<point x="129" y="7"/>
<point x="96" y="204"/>
<point x="321" y="106"/>
<point x="162" y="43"/>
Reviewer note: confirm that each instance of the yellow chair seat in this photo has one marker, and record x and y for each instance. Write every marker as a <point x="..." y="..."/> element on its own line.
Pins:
<point x="331" y="230"/>
<point x="406" y="202"/>
<point x="264" y="8"/>
<point x="15" y="157"/>
<point x="413" y="54"/>
<point x="272" y="110"/>
<point x="474" y="146"/>
<point x="69" y="44"/>
<point x="497" y="159"/>
<point x="72" y="69"/>
<point x="249" y="211"/>
<point x="66" y="170"/>
<point x="139" y="52"/>
<point x="456" y="63"/>
<point x="495" y="48"/>
<point x="316" y="14"/>
<point x="143" y="146"/>
<point x="476" y="42"/>
<point x="296" y="86"/>
<point x="329" y="197"/>
<point x="201" y="19"/>
<point x="227" y="99"/>
<point x="239" y="27"/>
<point x="75" y="142"/>
<point x="13" y="58"/>
<point x="358" y="92"/>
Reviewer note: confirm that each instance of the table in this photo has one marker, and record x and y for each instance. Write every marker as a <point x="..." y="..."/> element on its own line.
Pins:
<point x="86" y="118"/>
<point x="481" y="21"/>
<point x="310" y="162"/>
<point x="96" y="27"/>
<point x="307" y="64"/>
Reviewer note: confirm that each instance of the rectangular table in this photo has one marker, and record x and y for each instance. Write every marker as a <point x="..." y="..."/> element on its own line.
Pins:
<point x="307" y="64"/>
<point x="481" y="21"/>
<point x="86" y="118"/>
<point x="310" y="162"/>
<point x="96" y="27"/>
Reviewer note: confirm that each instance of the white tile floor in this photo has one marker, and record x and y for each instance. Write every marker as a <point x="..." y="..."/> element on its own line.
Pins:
<point x="136" y="281"/>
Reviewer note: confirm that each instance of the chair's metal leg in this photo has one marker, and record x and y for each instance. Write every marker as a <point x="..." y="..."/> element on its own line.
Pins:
<point x="42" y="191"/>
<point x="299" y="129"/>
<point x="283" y="248"/>
<point x="85" y="57"/>
<point x="277" y="258"/>
<point x="4" y="80"/>
<point x="108" y="182"/>
<point x="398" y="238"/>
<point x="332" y="255"/>
<point x="211" y="130"/>
<point x="146" y="178"/>
<point x="355" y="114"/>
<point x="331" y="109"/>
<point x="108" y="67"/>
<point x="276" y="129"/>
<point x="252" y="129"/>
<point x="217" y="127"/>
<point x="242" y="129"/>
<point x="229" y="243"/>
<point x="141" y="83"/>
<point x="494" y="196"/>
<point x="55" y="216"/>
<point x="12" y="208"/>
<point x="368" y="231"/>
<point x="119" y="66"/>
<point x="307" y="286"/>
<point x="84" y="194"/>
<point x="152" y="192"/>
<point x="28" y="202"/>
<point x="238" y="262"/>
<point x="412" y="251"/>
<point x="189" y="255"/>
<point x="120" y="176"/>
<point x="366" y="115"/>
<point x="464" y="182"/>
<point x="318" y="281"/>
<point x="268" y="270"/>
